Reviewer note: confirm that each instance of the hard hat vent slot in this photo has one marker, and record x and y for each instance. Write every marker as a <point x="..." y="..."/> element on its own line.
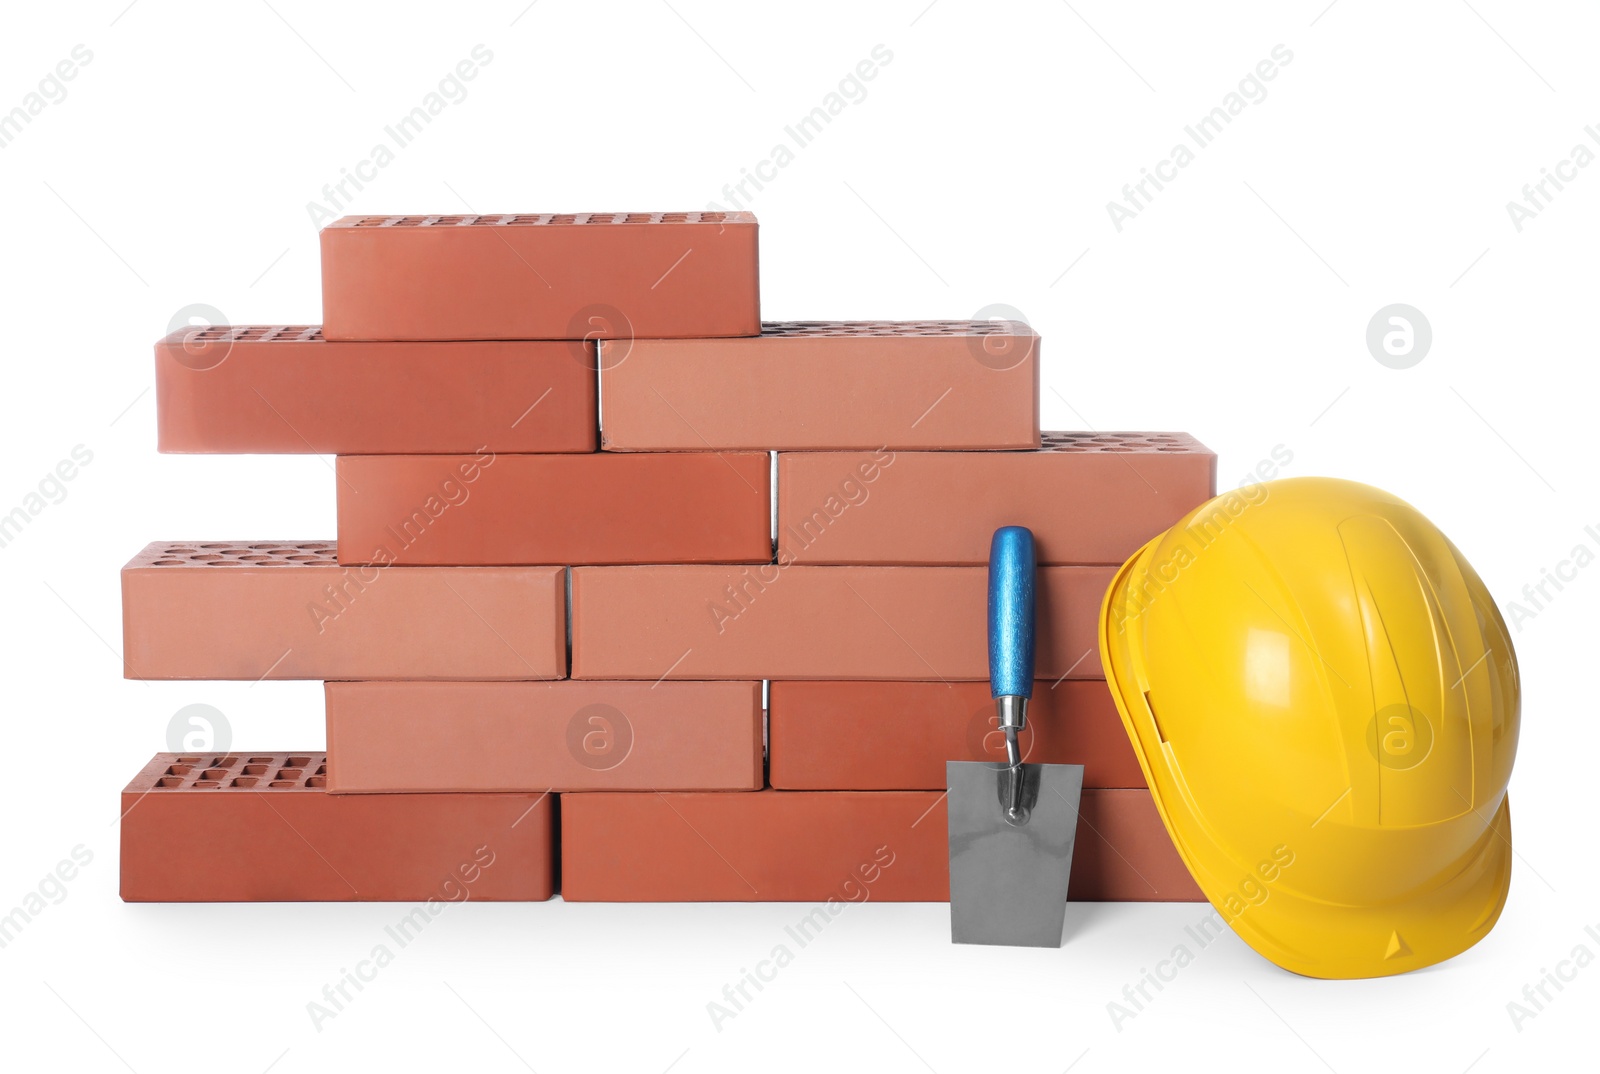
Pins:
<point x="1156" y="720"/>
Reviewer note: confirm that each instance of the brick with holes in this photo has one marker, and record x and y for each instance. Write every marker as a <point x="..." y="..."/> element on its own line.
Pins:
<point x="287" y="390"/>
<point x="288" y="610"/>
<point x="1087" y="497"/>
<point x="598" y="508"/>
<point x="557" y="736"/>
<point x="773" y="621"/>
<point x="849" y="846"/>
<point x="611" y="276"/>
<point x="262" y="827"/>
<point x="898" y="735"/>
<point x="821" y="385"/>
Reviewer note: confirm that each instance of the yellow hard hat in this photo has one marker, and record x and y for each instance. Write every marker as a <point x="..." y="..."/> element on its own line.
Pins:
<point x="1324" y="700"/>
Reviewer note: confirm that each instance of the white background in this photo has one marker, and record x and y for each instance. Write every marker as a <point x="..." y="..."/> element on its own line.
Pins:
<point x="976" y="170"/>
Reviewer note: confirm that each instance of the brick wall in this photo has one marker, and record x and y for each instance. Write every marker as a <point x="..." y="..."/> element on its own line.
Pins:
<point x="611" y="547"/>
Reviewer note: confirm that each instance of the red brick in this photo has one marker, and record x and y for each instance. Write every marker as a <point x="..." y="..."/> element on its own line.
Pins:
<point x="543" y="276"/>
<point x="908" y="623"/>
<point x="287" y="610"/>
<point x="1087" y="497"/>
<point x="809" y="385"/>
<point x="536" y="736"/>
<point x="898" y="735"/>
<point x="811" y="846"/>
<point x="261" y="828"/>
<point x="286" y="390"/>
<point x="448" y="510"/>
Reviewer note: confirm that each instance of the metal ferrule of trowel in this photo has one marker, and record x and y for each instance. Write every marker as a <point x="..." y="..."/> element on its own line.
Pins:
<point x="1011" y="711"/>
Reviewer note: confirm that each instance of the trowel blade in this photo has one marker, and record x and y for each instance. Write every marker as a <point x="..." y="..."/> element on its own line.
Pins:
<point x="1008" y="879"/>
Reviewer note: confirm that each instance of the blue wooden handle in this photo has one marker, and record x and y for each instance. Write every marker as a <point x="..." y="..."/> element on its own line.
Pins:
<point x="1011" y="612"/>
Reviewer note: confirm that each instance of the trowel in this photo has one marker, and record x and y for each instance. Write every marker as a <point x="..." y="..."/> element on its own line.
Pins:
<point x="1012" y="825"/>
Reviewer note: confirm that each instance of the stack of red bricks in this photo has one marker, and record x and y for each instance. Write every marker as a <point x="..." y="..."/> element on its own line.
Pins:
<point x="610" y="548"/>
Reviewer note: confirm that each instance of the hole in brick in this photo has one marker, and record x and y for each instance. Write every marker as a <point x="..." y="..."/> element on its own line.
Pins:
<point x="188" y="760"/>
<point x="225" y="762"/>
<point x="317" y="781"/>
<point x="179" y="769"/>
<point x="214" y="773"/>
<point x="281" y="783"/>
<point x="170" y="781"/>
<point x="262" y="760"/>
<point x="255" y="769"/>
<point x="297" y="762"/>
<point x="204" y="784"/>
<point x="246" y="781"/>
<point x="224" y="563"/>
<point x="167" y="563"/>
<point x="322" y="770"/>
<point x="291" y="773"/>
<point x="206" y="557"/>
